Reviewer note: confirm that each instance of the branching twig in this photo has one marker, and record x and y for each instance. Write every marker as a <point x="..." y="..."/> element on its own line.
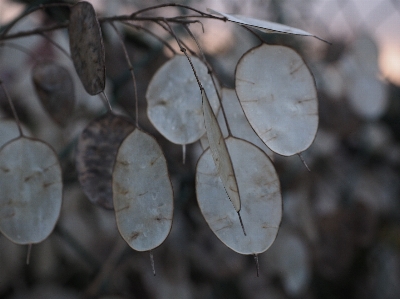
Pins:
<point x="120" y="38"/>
<point x="173" y="5"/>
<point x="28" y="12"/>
<point x="152" y="34"/>
<point x="210" y="72"/>
<point x="183" y="50"/>
<point x="20" y="48"/>
<point x="56" y="45"/>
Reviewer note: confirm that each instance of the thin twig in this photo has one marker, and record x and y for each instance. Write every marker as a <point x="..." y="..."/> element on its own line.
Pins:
<point x="20" y="48"/>
<point x="171" y="5"/>
<point x="28" y="12"/>
<point x="77" y="247"/>
<point x="56" y="45"/>
<point x="107" y="268"/>
<point x="128" y="60"/>
<point x="39" y="30"/>
<point x="138" y="27"/>
<point x="255" y="33"/>
<point x="210" y="71"/>
<point x="183" y="50"/>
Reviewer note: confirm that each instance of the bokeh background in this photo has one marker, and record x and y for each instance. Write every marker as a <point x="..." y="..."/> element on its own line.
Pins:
<point x="340" y="233"/>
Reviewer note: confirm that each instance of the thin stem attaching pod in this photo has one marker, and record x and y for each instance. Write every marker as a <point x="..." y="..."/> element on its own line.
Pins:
<point x="173" y="5"/>
<point x="152" y="34"/>
<point x="210" y="71"/>
<point x="128" y="60"/>
<point x="21" y="49"/>
<point x="59" y="47"/>
<point x="10" y="102"/>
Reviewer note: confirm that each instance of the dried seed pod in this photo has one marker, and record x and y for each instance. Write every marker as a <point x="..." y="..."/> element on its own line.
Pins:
<point x="260" y="195"/>
<point x="279" y="98"/>
<point x="174" y="102"/>
<point x="86" y="45"/>
<point x="55" y="89"/>
<point x="262" y="25"/>
<point x="31" y="190"/>
<point x="220" y="154"/>
<point x="96" y="151"/>
<point x="142" y="192"/>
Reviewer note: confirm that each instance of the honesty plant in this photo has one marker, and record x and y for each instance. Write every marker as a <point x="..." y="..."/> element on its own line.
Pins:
<point x="273" y="108"/>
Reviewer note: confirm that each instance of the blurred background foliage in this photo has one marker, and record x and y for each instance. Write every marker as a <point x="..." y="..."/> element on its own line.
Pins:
<point x="340" y="233"/>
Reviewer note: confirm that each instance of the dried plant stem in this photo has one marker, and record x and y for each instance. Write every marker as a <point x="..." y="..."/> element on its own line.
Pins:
<point x="210" y="71"/>
<point x="20" y="48"/>
<point x="107" y="268"/>
<point x="28" y="12"/>
<point x="183" y="50"/>
<point x="39" y="30"/>
<point x="173" y="5"/>
<point x="152" y="34"/>
<point x="128" y="60"/>
<point x="77" y="247"/>
<point x="13" y="109"/>
<point x="56" y="45"/>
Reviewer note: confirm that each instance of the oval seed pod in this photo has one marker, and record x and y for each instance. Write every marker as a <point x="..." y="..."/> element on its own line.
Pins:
<point x="142" y="192"/>
<point x="86" y="46"/>
<point x="55" y="89"/>
<point x="95" y="156"/>
<point x="31" y="190"/>
<point x="174" y="105"/>
<point x="279" y="98"/>
<point x="260" y="198"/>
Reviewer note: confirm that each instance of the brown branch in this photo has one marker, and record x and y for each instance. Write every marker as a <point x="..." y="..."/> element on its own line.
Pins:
<point x="28" y="12"/>
<point x="120" y="38"/>
<point x="138" y="27"/>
